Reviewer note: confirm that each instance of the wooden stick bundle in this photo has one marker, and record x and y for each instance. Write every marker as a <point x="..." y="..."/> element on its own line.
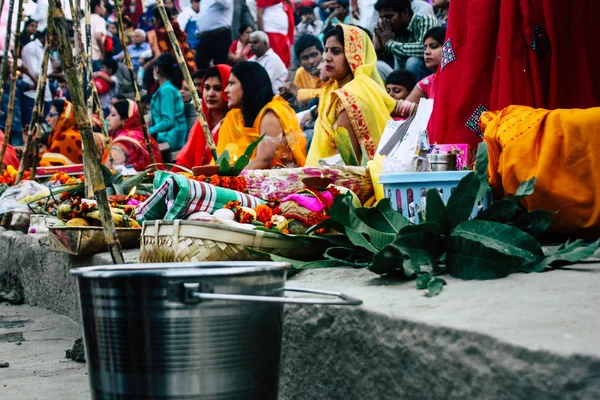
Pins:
<point x="13" y="87"/>
<point x="138" y="99"/>
<point x="188" y="78"/>
<point x="59" y="22"/>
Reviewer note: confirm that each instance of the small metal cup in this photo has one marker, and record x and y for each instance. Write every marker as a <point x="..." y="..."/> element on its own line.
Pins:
<point x="442" y="162"/>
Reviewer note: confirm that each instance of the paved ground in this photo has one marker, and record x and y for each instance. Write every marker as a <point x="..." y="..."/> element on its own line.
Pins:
<point x="33" y="341"/>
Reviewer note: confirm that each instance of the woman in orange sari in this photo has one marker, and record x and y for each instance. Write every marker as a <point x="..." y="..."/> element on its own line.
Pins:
<point x="64" y="142"/>
<point x="128" y="146"/>
<point x="255" y="111"/>
<point x="163" y="43"/>
<point x="214" y="106"/>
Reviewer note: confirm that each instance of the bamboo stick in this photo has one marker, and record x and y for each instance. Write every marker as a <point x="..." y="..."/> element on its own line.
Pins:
<point x="87" y="136"/>
<point x="188" y="78"/>
<point x="138" y="99"/>
<point x="13" y="87"/>
<point x="85" y="61"/>
<point x="38" y="123"/>
<point x="6" y="46"/>
<point x="38" y="109"/>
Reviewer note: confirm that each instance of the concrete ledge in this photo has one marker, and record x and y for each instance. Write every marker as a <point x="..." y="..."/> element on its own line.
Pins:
<point x="523" y="337"/>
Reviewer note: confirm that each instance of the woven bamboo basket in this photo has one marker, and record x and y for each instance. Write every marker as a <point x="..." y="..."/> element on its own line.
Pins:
<point x="190" y="241"/>
<point x="278" y="183"/>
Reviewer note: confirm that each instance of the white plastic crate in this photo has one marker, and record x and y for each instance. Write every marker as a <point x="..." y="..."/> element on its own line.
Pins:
<point x="407" y="191"/>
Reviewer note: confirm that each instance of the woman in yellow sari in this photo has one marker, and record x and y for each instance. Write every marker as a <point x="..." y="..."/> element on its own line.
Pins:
<point x="354" y="98"/>
<point x="255" y="111"/>
<point x="64" y="142"/>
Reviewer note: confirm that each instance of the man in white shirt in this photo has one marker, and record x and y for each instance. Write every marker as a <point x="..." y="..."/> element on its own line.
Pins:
<point x="265" y="56"/>
<point x="32" y="56"/>
<point x="214" y="32"/>
<point x="98" y="31"/>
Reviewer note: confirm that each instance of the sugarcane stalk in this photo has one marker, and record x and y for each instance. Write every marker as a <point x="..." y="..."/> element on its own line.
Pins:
<point x="38" y="109"/>
<point x="6" y="46"/>
<point x="85" y="127"/>
<point x="13" y="87"/>
<point x="138" y="99"/>
<point x="88" y="88"/>
<point x="188" y="78"/>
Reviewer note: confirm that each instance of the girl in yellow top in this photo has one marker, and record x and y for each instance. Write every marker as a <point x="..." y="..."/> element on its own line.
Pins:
<point x="255" y="111"/>
<point x="354" y="98"/>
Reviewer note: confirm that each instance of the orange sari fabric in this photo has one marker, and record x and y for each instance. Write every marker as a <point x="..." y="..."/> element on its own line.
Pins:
<point x="66" y="139"/>
<point x="560" y="149"/>
<point x="164" y="44"/>
<point x="235" y="137"/>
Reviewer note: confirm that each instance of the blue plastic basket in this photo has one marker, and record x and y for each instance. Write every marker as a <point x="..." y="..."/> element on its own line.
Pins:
<point x="404" y="188"/>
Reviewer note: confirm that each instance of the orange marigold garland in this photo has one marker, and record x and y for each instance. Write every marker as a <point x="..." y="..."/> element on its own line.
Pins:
<point x="10" y="174"/>
<point x="237" y="183"/>
<point x="263" y="213"/>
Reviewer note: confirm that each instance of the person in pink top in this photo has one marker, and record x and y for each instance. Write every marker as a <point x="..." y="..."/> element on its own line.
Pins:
<point x="433" y="42"/>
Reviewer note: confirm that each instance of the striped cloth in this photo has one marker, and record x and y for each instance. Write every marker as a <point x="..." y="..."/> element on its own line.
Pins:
<point x="176" y="197"/>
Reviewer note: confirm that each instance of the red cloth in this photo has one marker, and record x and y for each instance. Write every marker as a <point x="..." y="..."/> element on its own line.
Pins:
<point x="279" y="44"/>
<point x="137" y="11"/>
<point x="233" y="49"/>
<point x="10" y="157"/>
<point x="267" y="3"/>
<point x="195" y="152"/>
<point x="496" y="64"/>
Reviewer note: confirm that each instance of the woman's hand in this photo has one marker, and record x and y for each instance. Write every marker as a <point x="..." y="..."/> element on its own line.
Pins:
<point x="268" y="147"/>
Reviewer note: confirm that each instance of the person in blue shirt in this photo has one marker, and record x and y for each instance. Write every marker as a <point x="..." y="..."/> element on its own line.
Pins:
<point x="166" y="107"/>
<point x="137" y="47"/>
<point x="16" y="130"/>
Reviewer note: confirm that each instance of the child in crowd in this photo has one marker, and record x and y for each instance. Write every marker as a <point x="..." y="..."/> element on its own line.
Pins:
<point x="399" y="84"/>
<point x="433" y="42"/>
<point x="106" y="77"/>
<point x="62" y="92"/>
<point x="113" y="33"/>
<point x="188" y="105"/>
<point x="340" y="15"/>
<point x="309" y="24"/>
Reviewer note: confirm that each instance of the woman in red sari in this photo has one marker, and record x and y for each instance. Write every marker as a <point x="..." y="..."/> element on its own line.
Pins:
<point x="537" y="53"/>
<point x="128" y="146"/>
<point x="214" y="106"/>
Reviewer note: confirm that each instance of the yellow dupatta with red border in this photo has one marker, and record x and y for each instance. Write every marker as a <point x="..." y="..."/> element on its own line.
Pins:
<point x="235" y="137"/>
<point x="364" y="99"/>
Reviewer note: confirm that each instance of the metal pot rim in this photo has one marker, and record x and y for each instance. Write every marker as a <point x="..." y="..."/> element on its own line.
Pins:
<point x="179" y="270"/>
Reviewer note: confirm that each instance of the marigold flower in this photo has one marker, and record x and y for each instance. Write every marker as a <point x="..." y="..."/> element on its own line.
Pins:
<point x="215" y="180"/>
<point x="263" y="213"/>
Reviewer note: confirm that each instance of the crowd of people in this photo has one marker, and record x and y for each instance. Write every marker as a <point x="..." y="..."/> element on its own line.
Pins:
<point x="317" y="78"/>
<point x="305" y="74"/>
